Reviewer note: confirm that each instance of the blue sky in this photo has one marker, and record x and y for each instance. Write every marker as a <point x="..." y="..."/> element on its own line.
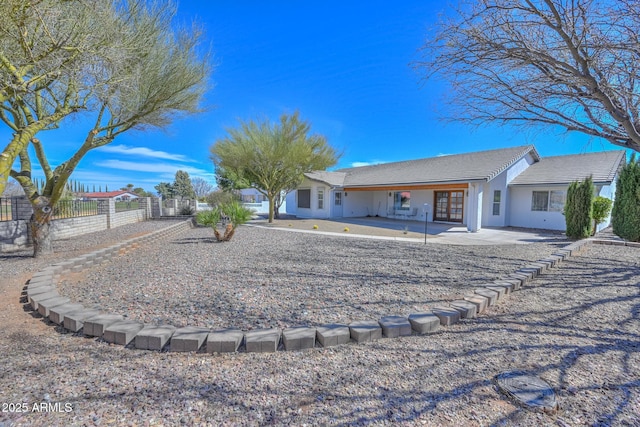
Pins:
<point x="346" y="66"/>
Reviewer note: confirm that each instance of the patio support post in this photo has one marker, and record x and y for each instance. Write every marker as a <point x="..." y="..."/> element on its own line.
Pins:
<point x="474" y="220"/>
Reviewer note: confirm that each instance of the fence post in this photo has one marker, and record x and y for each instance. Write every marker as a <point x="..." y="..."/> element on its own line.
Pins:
<point x="193" y="203"/>
<point x="145" y="204"/>
<point x="107" y="207"/>
<point x="156" y="207"/>
<point x="23" y="209"/>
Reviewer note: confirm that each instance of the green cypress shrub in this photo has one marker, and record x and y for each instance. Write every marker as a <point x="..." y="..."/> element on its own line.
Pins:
<point x="626" y="207"/>
<point x="578" y="209"/>
<point x="601" y="210"/>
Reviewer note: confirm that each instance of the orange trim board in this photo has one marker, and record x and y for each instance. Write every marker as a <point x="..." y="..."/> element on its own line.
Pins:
<point x="411" y="187"/>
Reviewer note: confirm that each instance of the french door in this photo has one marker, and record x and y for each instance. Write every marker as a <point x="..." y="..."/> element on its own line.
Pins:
<point x="449" y="206"/>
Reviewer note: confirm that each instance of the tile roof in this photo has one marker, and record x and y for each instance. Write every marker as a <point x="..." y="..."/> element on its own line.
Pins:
<point x="602" y="166"/>
<point x="108" y="194"/>
<point x="334" y="179"/>
<point x="481" y="165"/>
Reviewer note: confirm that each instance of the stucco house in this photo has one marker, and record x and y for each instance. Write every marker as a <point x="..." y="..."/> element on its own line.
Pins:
<point x="118" y="195"/>
<point x="495" y="188"/>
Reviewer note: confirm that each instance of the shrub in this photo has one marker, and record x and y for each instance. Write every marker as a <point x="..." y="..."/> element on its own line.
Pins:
<point x="186" y="210"/>
<point x="601" y="210"/>
<point x="233" y="212"/>
<point x="218" y="198"/>
<point x="209" y="218"/>
<point x="578" y="209"/>
<point x="626" y="208"/>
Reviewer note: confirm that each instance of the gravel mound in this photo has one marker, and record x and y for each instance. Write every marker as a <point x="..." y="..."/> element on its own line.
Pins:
<point x="273" y="278"/>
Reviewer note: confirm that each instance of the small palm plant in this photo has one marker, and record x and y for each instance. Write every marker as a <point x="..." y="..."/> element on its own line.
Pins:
<point x="233" y="213"/>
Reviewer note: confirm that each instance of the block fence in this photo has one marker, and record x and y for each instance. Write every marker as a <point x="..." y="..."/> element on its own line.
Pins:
<point x="14" y="235"/>
<point x="42" y="295"/>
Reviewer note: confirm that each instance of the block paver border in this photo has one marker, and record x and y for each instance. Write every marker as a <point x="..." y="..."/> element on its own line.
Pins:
<point x="43" y="286"/>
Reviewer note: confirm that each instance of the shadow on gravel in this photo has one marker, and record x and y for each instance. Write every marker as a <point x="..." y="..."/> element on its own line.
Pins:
<point x="195" y="240"/>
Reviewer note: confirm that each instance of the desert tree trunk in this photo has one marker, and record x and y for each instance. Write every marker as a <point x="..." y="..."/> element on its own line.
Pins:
<point x="40" y="227"/>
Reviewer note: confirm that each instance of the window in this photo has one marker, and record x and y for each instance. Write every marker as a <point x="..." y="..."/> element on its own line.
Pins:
<point x="556" y="201"/>
<point x="496" y="202"/>
<point x="548" y="201"/>
<point x="402" y="200"/>
<point x="320" y="199"/>
<point x="304" y="199"/>
<point x="337" y="201"/>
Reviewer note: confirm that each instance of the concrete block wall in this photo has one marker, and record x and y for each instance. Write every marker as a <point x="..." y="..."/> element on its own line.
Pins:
<point x="70" y="227"/>
<point x="43" y="296"/>
<point x="127" y="217"/>
<point x="14" y="235"/>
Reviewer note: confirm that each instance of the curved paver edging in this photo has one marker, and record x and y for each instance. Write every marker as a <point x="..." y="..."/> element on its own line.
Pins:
<point x="43" y="296"/>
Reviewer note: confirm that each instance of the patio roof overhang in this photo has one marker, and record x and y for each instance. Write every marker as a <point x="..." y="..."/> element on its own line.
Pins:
<point x="409" y="187"/>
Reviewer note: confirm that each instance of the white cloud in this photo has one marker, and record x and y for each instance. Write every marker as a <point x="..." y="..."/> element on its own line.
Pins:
<point x="144" y="152"/>
<point x="159" y="168"/>
<point x="371" y="163"/>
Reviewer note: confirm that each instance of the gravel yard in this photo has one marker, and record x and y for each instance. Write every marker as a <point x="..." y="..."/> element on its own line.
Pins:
<point x="577" y="327"/>
<point x="273" y="278"/>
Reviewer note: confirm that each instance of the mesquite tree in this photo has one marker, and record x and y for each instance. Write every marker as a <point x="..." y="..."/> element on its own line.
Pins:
<point x="145" y="73"/>
<point x="572" y="64"/>
<point x="272" y="158"/>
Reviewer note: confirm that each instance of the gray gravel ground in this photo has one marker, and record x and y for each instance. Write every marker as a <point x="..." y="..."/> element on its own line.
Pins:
<point x="578" y="327"/>
<point x="273" y="278"/>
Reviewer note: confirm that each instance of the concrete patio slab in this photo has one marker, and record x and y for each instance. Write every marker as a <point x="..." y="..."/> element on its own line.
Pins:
<point x="189" y="338"/>
<point x="424" y="322"/>
<point x="395" y="326"/>
<point x="447" y="315"/>
<point x="224" y="340"/>
<point x="333" y="334"/>
<point x="122" y="332"/>
<point x="365" y="330"/>
<point x="154" y="337"/>
<point x="262" y="340"/>
<point x="95" y="326"/>
<point x="468" y="310"/>
<point x="299" y="338"/>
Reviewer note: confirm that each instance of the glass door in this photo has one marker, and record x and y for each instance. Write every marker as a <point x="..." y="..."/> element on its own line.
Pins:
<point x="449" y="206"/>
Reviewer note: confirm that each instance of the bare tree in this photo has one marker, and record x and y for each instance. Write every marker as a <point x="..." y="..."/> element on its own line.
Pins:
<point x="568" y="63"/>
<point x="12" y="189"/>
<point x="201" y="187"/>
<point x="146" y="74"/>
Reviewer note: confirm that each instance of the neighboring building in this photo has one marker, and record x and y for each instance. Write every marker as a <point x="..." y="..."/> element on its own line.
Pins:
<point x="495" y="188"/>
<point x="253" y="199"/>
<point x="119" y="195"/>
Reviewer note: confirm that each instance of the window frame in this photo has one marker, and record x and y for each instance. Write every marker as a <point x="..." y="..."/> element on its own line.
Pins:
<point x="497" y="199"/>
<point x="306" y="198"/>
<point x="399" y="204"/>
<point x="554" y="200"/>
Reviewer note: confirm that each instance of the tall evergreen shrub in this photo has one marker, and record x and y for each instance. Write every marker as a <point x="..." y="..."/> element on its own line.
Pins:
<point x="625" y="217"/>
<point x="578" y="209"/>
